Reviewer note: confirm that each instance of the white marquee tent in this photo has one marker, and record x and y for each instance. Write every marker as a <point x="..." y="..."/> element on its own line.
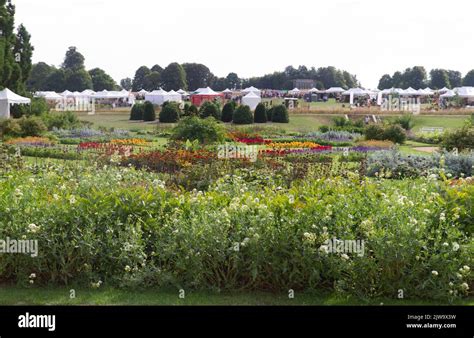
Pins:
<point x="294" y="91"/>
<point x="449" y="93"/>
<point x="7" y="98"/>
<point x="251" y="100"/>
<point x="465" y="92"/>
<point x="251" y="90"/>
<point x="174" y="96"/>
<point x="157" y="97"/>
<point x="49" y="96"/>
<point x="335" y="90"/>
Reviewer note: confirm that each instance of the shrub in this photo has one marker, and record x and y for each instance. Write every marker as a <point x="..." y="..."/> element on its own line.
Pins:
<point x="10" y="128"/>
<point x="149" y="111"/>
<point x="61" y="120"/>
<point x="280" y="114"/>
<point x="170" y="113"/>
<point x="242" y="115"/>
<point x="393" y="133"/>
<point x="193" y="110"/>
<point x="136" y="114"/>
<point x="460" y="138"/>
<point x="32" y="126"/>
<point x="228" y="111"/>
<point x="210" y="109"/>
<point x="405" y="121"/>
<point x="260" y="113"/>
<point x="270" y="114"/>
<point x="206" y="130"/>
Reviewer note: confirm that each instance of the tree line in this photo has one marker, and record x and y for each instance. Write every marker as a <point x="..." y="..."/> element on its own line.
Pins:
<point x="417" y="77"/>
<point x="15" y="50"/>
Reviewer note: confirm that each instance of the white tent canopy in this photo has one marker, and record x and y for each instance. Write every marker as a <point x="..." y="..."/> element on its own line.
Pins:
<point x="251" y="100"/>
<point x="251" y="89"/>
<point x="465" y="92"/>
<point x="174" y="96"/>
<point x="49" y="96"/>
<point x="316" y="90"/>
<point x="227" y="91"/>
<point x="356" y="92"/>
<point x="443" y="90"/>
<point x="449" y="93"/>
<point x="182" y="92"/>
<point x="294" y="91"/>
<point x="206" y="91"/>
<point x="409" y="91"/>
<point x="7" y="98"/>
<point x="334" y="90"/>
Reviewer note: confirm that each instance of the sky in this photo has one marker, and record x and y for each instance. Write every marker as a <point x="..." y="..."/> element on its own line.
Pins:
<point x="368" y="38"/>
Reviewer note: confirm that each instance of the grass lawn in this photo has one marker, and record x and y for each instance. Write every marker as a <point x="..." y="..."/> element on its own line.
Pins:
<point x="107" y="296"/>
<point x="298" y="122"/>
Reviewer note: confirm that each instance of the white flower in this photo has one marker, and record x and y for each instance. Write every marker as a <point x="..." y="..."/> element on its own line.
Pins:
<point x="33" y="228"/>
<point x="128" y="268"/>
<point x="455" y="246"/>
<point x="465" y="286"/>
<point x="345" y="257"/>
<point x="445" y="244"/>
<point x="72" y="199"/>
<point x="32" y="281"/>
<point x="451" y="284"/>
<point x="33" y="276"/>
<point x="291" y="199"/>
<point x="56" y="197"/>
<point x="434" y="273"/>
<point x="459" y="275"/>
<point x="442" y="217"/>
<point x="466" y="268"/>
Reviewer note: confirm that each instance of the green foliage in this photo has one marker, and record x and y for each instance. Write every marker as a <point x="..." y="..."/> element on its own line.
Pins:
<point x="101" y="80"/>
<point x="461" y="139"/>
<point x="139" y="78"/>
<point x="206" y="130"/>
<point x="280" y="114"/>
<point x="393" y="133"/>
<point x="169" y="113"/>
<point x="173" y="77"/>
<point x="32" y="126"/>
<point x="242" y="115"/>
<point x="149" y="113"/>
<point x="210" y="109"/>
<point x="62" y="120"/>
<point x="260" y="113"/>
<point x="10" y="128"/>
<point x="136" y="114"/>
<point x="405" y="121"/>
<point x="270" y="113"/>
<point x="228" y="111"/>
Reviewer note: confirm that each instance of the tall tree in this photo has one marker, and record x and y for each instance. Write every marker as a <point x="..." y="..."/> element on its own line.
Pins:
<point x="439" y="79"/>
<point x="126" y="83"/>
<point x="152" y="81"/>
<point x="197" y="75"/>
<point x="7" y="43"/>
<point x="74" y="60"/>
<point x="39" y="73"/>
<point x="469" y="79"/>
<point x="233" y="81"/>
<point x="139" y="78"/>
<point x="174" y="77"/>
<point x="385" y="82"/>
<point x="78" y="80"/>
<point x="23" y="52"/>
<point x="455" y="78"/>
<point x="101" y="80"/>
<point x="56" y="81"/>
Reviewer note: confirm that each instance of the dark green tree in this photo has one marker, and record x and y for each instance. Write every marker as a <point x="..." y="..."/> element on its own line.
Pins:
<point x="101" y="80"/>
<point x="197" y="76"/>
<point x="260" y="113"/>
<point x="138" y="80"/>
<point x="126" y="83"/>
<point x="469" y="79"/>
<point x="439" y="79"/>
<point x="173" y="77"/>
<point x="39" y="73"/>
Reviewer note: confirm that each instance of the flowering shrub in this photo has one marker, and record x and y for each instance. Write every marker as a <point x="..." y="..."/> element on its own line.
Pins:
<point x="291" y="145"/>
<point x="32" y="141"/>
<point x="376" y="144"/>
<point x="122" y="227"/>
<point x="129" y="142"/>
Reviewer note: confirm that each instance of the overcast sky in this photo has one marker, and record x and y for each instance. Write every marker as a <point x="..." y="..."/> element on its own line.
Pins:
<point x="255" y="37"/>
